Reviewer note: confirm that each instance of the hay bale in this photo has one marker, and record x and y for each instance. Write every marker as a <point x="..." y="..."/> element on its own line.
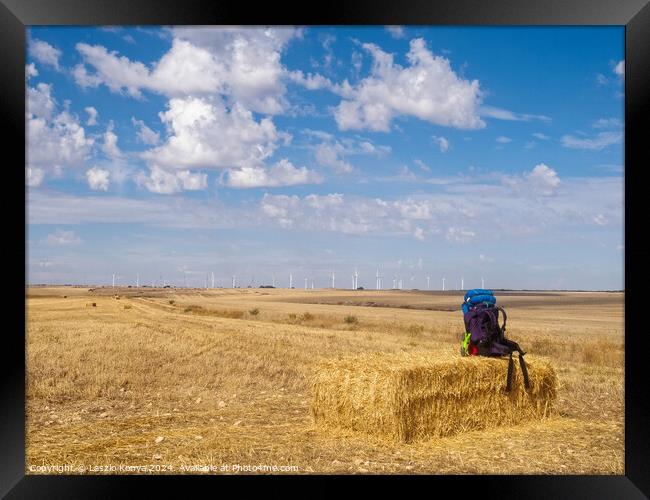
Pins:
<point x="408" y="397"/>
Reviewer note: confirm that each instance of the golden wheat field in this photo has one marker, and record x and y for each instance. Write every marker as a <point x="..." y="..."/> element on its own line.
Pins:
<point x="219" y="381"/>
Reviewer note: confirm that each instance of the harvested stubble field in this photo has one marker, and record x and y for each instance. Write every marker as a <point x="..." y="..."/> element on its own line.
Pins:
<point x="198" y="377"/>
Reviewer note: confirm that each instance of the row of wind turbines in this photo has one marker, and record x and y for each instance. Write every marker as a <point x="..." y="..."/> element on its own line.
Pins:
<point x="397" y="283"/>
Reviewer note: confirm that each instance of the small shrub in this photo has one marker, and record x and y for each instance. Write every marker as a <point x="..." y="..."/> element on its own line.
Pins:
<point x="351" y="320"/>
<point x="65" y="296"/>
<point x="94" y="304"/>
<point x="292" y="316"/>
<point x="172" y="301"/>
<point x="254" y="312"/>
<point x="127" y="306"/>
<point x="307" y="316"/>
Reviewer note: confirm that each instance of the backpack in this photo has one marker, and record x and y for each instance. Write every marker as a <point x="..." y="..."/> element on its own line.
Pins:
<point x="485" y="336"/>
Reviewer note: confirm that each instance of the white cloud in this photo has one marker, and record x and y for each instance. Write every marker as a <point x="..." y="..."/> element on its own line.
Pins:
<point x="61" y="237"/>
<point x="203" y="133"/>
<point x="600" y="141"/>
<point x="192" y="181"/>
<point x="544" y="179"/>
<point x="243" y="64"/>
<point x="110" y="146"/>
<point x="329" y="155"/>
<point x="283" y="173"/>
<point x="459" y="235"/>
<point x="619" y="69"/>
<point x="442" y="143"/>
<point x="423" y="166"/>
<point x="600" y="220"/>
<point x="607" y="123"/>
<point x="30" y="70"/>
<point x="541" y="137"/>
<point x="444" y="214"/>
<point x="55" y="140"/>
<point x="502" y="139"/>
<point x="427" y="89"/>
<point x="396" y="32"/>
<point x="162" y="181"/>
<point x="45" y="53"/>
<point x="35" y="176"/>
<point x="92" y="115"/>
<point x="601" y="79"/>
<point x="504" y="114"/>
<point x="419" y="234"/>
<point x="145" y="134"/>
<point x="98" y="179"/>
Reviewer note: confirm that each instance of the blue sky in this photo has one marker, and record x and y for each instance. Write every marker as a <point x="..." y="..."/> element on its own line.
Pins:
<point x="176" y="152"/>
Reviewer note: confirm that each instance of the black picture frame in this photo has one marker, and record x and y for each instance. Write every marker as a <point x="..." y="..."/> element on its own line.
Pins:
<point x="15" y="15"/>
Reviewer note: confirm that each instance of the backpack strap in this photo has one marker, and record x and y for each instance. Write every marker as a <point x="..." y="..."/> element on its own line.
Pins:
<point x="509" y="376"/>
<point x="505" y="318"/>
<point x="524" y="370"/>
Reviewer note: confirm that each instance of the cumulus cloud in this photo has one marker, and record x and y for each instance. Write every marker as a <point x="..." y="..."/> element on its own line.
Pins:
<point x="30" y="70"/>
<point x="502" y="139"/>
<point x="428" y="89"/>
<point x="396" y="32"/>
<point x="163" y="181"/>
<point x="55" y="139"/>
<point x="329" y="155"/>
<point x="202" y="132"/>
<point x="544" y="179"/>
<point x="596" y="143"/>
<point x="619" y="69"/>
<point x="540" y="136"/>
<point x="98" y="179"/>
<point x="45" y="53"/>
<point x="92" y="115"/>
<point x="442" y="143"/>
<point x="110" y="146"/>
<point x="145" y="134"/>
<point x="243" y="64"/>
<point x="418" y="234"/>
<point x="282" y="173"/>
<point x="61" y="237"/>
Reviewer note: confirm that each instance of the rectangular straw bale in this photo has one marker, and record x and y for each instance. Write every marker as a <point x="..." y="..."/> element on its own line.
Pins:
<point x="414" y="396"/>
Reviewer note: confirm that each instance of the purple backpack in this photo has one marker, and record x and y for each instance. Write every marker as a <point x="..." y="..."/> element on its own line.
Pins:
<point x="488" y="337"/>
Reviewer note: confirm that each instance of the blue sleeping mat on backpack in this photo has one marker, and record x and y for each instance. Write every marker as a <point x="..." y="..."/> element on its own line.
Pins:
<point x="478" y="296"/>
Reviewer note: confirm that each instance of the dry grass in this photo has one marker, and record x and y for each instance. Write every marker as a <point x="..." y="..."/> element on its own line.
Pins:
<point x="104" y="382"/>
<point x="411" y="397"/>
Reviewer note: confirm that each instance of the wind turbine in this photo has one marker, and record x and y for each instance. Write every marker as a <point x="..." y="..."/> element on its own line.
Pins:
<point x="306" y="279"/>
<point x="443" y="284"/>
<point x="394" y="282"/>
<point x="312" y="283"/>
<point x="273" y="280"/>
<point x="212" y="273"/>
<point x="113" y="280"/>
<point x="428" y="280"/>
<point x="290" y="281"/>
<point x="137" y="280"/>
<point x="234" y="278"/>
<point x="462" y="283"/>
<point x="356" y="278"/>
<point x="378" y="280"/>
<point x="482" y="282"/>
<point x="332" y="279"/>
